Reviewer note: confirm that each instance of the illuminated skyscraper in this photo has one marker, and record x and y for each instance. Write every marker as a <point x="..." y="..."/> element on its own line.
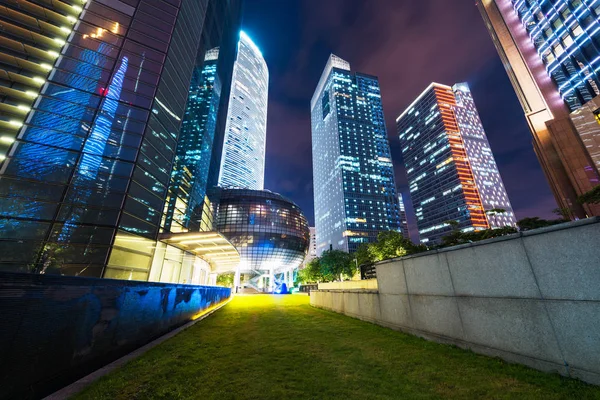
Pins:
<point x="451" y="169"/>
<point x="354" y="188"/>
<point x="403" y="220"/>
<point x="551" y="51"/>
<point x="94" y="93"/>
<point x="243" y="159"/>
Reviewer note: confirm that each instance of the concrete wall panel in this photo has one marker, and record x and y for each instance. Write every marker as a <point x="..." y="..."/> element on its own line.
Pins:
<point x="498" y="269"/>
<point x="390" y="278"/>
<point x="428" y="275"/>
<point x="514" y="325"/>
<point x="532" y="298"/>
<point x="566" y="262"/>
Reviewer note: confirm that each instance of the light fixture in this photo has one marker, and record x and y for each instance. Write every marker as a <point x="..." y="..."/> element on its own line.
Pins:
<point x="31" y="93"/>
<point x="13" y="122"/>
<point x="53" y="53"/>
<point x="65" y="29"/>
<point x="71" y="19"/>
<point x="45" y="66"/>
<point x="6" y="139"/>
<point x="60" y="41"/>
<point x="2" y="158"/>
<point x="77" y="8"/>
<point x="23" y="108"/>
<point x="39" y="80"/>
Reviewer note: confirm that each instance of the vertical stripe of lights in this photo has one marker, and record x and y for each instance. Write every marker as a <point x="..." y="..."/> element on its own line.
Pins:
<point x="446" y="101"/>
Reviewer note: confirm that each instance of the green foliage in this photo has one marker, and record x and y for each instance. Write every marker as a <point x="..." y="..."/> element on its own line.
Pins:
<point x="495" y="211"/>
<point x="591" y="197"/>
<point x="457" y="237"/>
<point x="336" y="264"/>
<point x="312" y="273"/>
<point x="226" y="279"/>
<point x="363" y="255"/>
<point x="390" y="244"/>
<point x="527" y="224"/>
<point x="564" y="212"/>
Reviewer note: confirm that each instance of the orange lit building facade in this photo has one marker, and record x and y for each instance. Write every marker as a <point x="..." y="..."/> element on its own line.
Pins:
<point x="451" y="170"/>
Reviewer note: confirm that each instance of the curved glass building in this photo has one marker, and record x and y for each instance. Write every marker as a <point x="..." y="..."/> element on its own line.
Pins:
<point x="243" y="159"/>
<point x="270" y="232"/>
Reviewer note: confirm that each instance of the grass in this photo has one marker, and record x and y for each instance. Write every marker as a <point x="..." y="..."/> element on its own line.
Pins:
<point x="278" y="347"/>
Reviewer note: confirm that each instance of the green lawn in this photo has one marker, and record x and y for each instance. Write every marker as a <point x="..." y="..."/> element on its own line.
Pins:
<point x="278" y="347"/>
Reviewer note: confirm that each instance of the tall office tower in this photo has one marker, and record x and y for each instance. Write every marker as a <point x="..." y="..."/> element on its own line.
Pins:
<point x="243" y="159"/>
<point x="451" y="170"/>
<point x="354" y="186"/>
<point x="403" y="220"/>
<point x="94" y="93"/>
<point x="200" y="145"/>
<point x="551" y="51"/>
<point x="312" y="248"/>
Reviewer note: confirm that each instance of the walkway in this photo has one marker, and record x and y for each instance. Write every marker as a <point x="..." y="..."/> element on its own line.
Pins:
<point x="278" y="347"/>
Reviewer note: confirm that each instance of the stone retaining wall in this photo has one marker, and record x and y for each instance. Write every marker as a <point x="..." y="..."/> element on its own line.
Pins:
<point x="531" y="298"/>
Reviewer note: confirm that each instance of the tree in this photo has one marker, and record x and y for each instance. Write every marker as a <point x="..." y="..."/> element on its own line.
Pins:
<point x="336" y="264"/>
<point x="363" y="255"/>
<point x="226" y="279"/>
<point x="495" y="211"/>
<point x="527" y="224"/>
<point x="591" y="197"/>
<point x="312" y="273"/>
<point x="390" y="244"/>
<point x="565" y="212"/>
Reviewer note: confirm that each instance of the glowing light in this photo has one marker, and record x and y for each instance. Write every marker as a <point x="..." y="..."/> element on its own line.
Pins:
<point x="39" y="80"/>
<point x="60" y="41"/>
<point x="13" y="122"/>
<point x="45" y="66"/>
<point x="71" y="19"/>
<point x="6" y="139"/>
<point x="23" y="108"/>
<point x="77" y="8"/>
<point x="31" y="94"/>
<point x="65" y="29"/>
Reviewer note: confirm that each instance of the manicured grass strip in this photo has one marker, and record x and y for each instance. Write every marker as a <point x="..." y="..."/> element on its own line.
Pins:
<point x="278" y="347"/>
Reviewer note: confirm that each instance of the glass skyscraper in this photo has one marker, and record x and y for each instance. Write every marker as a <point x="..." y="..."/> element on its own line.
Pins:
<point x="551" y="51"/>
<point x="403" y="219"/>
<point x="354" y="187"/>
<point x="93" y="100"/>
<point x="450" y="167"/>
<point x="243" y="159"/>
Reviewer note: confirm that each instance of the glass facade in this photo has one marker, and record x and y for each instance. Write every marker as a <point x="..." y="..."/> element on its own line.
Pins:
<point x="353" y="177"/>
<point x="451" y="171"/>
<point x="566" y="35"/>
<point x="243" y="159"/>
<point x="551" y="52"/>
<point x="198" y="155"/>
<point x="270" y="232"/>
<point x="102" y="89"/>
<point x="481" y="159"/>
<point x="403" y="220"/>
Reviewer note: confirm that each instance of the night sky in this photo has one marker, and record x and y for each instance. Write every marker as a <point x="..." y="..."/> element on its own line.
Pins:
<point x="407" y="44"/>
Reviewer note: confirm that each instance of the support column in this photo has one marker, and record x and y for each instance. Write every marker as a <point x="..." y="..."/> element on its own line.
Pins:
<point x="236" y="280"/>
<point x="212" y="279"/>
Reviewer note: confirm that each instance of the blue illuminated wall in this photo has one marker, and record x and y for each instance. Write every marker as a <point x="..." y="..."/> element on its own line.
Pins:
<point x="57" y="329"/>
